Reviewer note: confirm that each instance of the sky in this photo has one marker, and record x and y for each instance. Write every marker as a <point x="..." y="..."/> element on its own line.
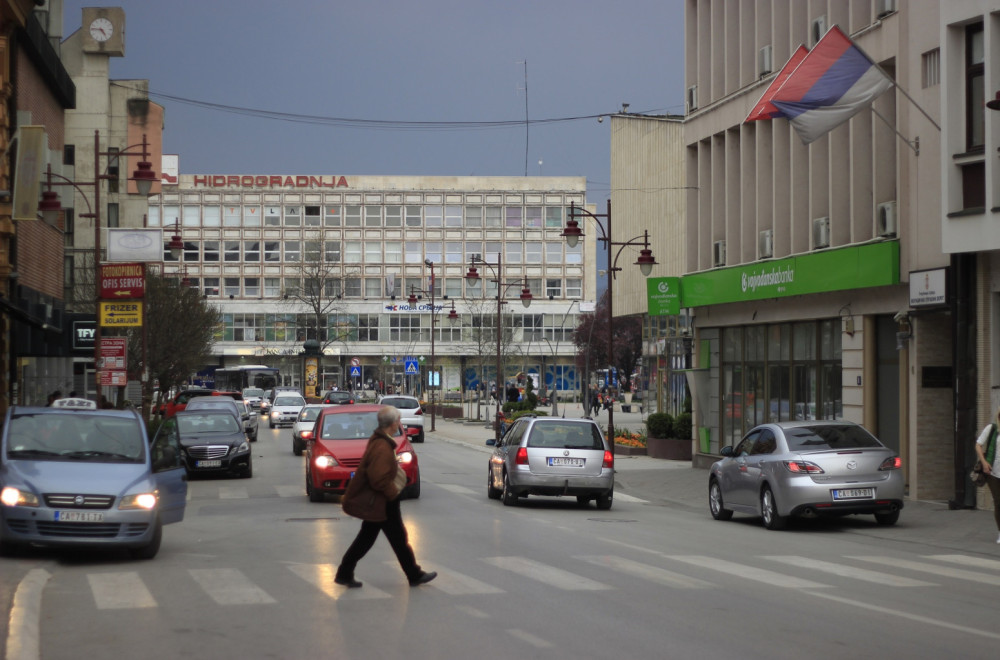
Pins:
<point x="430" y="72"/>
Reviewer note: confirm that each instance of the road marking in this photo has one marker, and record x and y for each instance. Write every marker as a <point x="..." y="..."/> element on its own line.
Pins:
<point x="458" y="490"/>
<point x="645" y="571"/>
<point x="228" y="586"/>
<point x="120" y="591"/>
<point x="233" y="493"/>
<point x="977" y="562"/>
<point x="848" y="571"/>
<point x="534" y="640"/>
<point x="721" y="567"/>
<point x="321" y="576"/>
<point x="457" y="584"/>
<point x="290" y="491"/>
<point x="957" y="573"/>
<point x="549" y="575"/>
<point x="23" y="638"/>
<point x="622" y="497"/>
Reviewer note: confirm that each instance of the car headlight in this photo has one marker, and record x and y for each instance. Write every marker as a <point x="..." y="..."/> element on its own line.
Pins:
<point x="405" y="457"/>
<point x="138" y="501"/>
<point x="325" y="461"/>
<point x="10" y="496"/>
<point x="242" y="447"/>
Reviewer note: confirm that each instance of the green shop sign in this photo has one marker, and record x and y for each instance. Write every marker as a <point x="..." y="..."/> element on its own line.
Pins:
<point x="663" y="296"/>
<point x="874" y="264"/>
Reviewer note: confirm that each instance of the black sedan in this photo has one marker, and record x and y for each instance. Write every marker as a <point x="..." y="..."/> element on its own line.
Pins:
<point x="212" y="441"/>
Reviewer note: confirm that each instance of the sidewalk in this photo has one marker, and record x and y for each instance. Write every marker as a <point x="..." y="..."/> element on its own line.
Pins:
<point x="679" y="485"/>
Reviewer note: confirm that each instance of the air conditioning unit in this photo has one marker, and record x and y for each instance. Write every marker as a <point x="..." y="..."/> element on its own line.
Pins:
<point x="692" y="98"/>
<point x="765" y="244"/>
<point x="719" y="253"/>
<point x="819" y="28"/>
<point x="885" y="219"/>
<point x="821" y="233"/>
<point x="764" y="61"/>
<point x="884" y="7"/>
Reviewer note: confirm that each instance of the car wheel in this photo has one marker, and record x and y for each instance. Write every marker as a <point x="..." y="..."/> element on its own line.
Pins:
<point x="715" y="505"/>
<point x="149" y="551"/>
<point x="769" y="511"/>
<point x="604" y="501"/>
<point x="508" y="495"/>
<point x="248" y="472"/>
<point x="296" y="448"/>
<point x="887" y="518"/>
<point x="491" y="492"/>
<point x="412" y="492"/>
<point x="420" y="436"/>
<point x="271" y="424"/>
<point x="314" y="494"/>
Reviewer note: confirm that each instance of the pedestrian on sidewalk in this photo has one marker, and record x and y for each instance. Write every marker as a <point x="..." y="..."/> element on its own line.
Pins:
<point x="375" y="479"/>
<point x="986" y="451"/>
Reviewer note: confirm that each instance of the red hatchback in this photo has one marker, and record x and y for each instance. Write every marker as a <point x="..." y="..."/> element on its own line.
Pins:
<point x="338" y="441"/>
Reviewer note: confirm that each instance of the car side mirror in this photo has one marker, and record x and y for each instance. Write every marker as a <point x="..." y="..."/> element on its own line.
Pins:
<point x="726" y="452"/>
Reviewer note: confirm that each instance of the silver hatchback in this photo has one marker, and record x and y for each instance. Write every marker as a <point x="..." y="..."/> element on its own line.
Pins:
<point x="553" y="457"/>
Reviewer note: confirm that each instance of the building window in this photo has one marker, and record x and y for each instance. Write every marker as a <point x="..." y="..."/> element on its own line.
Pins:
<point x="352" y="216"/>
<point x="69" y="227"/>
<point x="574" y="288"/>
<point x="553" y="217"/>
<point x="367" y="327"/>
<point x="171" y="215"/>
<point x="474" y="216"/>
<point x="113" y="214"/>
<point x="332" y="216"/>
<point x="414" y="253"/>
<point x="513" y="217"/>
<point x="293" y="287"/>
<point x="232" y="286"/>
<point x="532" y="253"/>
<point x="211" y="286"/>
<point x="293" y="216"/>
<point x="534" y="285"/>
<point x="533" y="217"/>
<point x="191" y="215"/>
<point x="352" y="252"/>
<point x="272" y="216"/>
<point x="293" y="251"/>
<point x="393" y="252"/>
<point x="332" y="251"/>
<point x="394" y="216"/>
<point x="373" y="252"/>
<point x="974" y="186"/>
<point x="454" y="252"/>
<point x="453" y="287"/>
<point x="433" y="216"/>
<point x="413" y="216"/>
<point x="975" y="99"/>
<point x="352" y="287"/>
<point x="453" y="216"/>
<point x="474" y="288"/>
<point x="69" y="154"/>
<point x="232" y="216"/>
<point x="393" y="285"/>
<point x="553" y="252"/>
<point x="574" y="255"/>
<point x="312" y="216"/>
<point x="191" y="251"/>
<point x="531" y="327"/>
<point x="211" y="216"/>
<point x="404" y="327"/>
<point x="332" y="288"/>
<point x="313" y="252"/>
<point x="373" y="287"/>
<point x="473" y="250"/>
<point x="432" y="250"/>
<point x="930" y="68"/>
<point x="272" y="251"/>
<point x="231" y="251"/>
<point x="154" y="216"/>
<point x="513" y="255"/>
<point x="494" y="217"/>
<point x="272" y="287"/>
<point x="251" y="216"/>
<point x="113" y="169"/>
<point x="553" y="288"/>
<point x="373" y="216"/>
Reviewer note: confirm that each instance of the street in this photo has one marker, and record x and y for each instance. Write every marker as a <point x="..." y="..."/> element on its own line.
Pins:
<point x="249" y="573"/>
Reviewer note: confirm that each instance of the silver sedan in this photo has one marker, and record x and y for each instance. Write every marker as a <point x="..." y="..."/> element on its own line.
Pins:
<point x="807" y="469"/>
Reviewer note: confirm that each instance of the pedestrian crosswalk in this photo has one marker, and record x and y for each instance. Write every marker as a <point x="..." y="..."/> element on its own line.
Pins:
<point x="495" y="576"/>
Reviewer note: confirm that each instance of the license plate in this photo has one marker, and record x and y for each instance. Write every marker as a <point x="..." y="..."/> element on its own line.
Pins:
<point x="79" y="516"/>
<point x="208" y="464"/>
<point x="854" y="494"/>
<point x="564" y="462"/>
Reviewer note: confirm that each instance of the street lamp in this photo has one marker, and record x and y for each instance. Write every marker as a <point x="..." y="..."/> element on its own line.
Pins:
<point x="502" y="287"/>
<point x="143" y="176"/>
<point x="452" y="317"/>
<point x="645" y="262"/>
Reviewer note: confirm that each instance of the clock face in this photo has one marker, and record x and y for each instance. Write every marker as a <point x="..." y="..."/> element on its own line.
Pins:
<point x="101" y="29"/>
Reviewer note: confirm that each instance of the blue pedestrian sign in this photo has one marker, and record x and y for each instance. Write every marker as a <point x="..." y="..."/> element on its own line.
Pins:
<point x="411" y="367"/>
<point x="355" y="372"/>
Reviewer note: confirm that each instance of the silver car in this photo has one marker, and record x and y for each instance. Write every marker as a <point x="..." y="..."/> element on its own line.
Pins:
<point x="411" y="414"/>
<point x="302" y="430"/>
<point x="285" y="409"/>
<point x="552" y="456"/>
<point x="808" y="469"/>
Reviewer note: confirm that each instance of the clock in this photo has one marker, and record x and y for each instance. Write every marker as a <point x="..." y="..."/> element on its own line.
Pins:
<point x="101" y="29"/>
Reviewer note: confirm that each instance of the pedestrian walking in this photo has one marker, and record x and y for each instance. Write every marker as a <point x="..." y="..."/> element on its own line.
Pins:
<point x="986" y="451"/>
<point x="374" y="488"/>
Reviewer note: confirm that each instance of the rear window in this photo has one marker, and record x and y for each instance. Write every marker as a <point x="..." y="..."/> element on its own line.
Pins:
<point x="565" y="436"/>
<point x="400" y="402"/>
<point x="208" y="423"/>
<point x="349" y="426"/>
<point x="819" y="438"/>
<point x="289" y="401"/>
<point x="252" y="391"/>
<point x="309" y="414"/>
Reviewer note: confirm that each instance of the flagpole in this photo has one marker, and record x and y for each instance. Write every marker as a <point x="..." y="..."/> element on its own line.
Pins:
<point x="915" y="144"/>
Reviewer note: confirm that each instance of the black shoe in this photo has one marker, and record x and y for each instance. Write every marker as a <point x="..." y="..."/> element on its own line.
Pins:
<point x="423" y="578"/>
<point x="350" y="583"/>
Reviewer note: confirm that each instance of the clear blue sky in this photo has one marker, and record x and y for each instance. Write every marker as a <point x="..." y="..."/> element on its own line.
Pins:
<point x="401" y="61"/>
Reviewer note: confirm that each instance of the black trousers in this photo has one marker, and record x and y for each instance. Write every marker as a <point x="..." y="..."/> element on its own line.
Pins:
<point x="394" y="531"/>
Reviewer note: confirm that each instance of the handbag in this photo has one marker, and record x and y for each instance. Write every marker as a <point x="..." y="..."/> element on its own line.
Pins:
<point x="399" y="481"/>
<point x="364" y="503"/>
<point x="977" y="475"/>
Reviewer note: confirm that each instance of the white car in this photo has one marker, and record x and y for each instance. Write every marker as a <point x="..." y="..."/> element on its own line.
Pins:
<point x="252" y="396"/>
<point x="302" y="430"/>
<point x="285" y="409"/>
<point x="411" y="414"/>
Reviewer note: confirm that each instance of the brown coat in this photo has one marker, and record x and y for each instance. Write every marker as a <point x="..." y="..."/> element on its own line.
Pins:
<point x="376" y="472"/>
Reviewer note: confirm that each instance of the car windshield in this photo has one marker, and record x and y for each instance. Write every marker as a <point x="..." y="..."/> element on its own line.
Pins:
<point x="349" y="426"/>
<point x="564" y="436"/>
<point x="400" y="402"/>
<point x="208" y="423"/>
<point x="309" y="414"/>
<point x="825" y="437"/>
<point x="75" y="437"/>
<point x="251" y="392"/>
<point x="289" y="401"/>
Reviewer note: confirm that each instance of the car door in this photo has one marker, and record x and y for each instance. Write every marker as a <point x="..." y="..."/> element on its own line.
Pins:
<point x="506" y="451"/>
<point x="755" y="465"/>
<point x="168" y="471"/>
<point x="733" y="475"/>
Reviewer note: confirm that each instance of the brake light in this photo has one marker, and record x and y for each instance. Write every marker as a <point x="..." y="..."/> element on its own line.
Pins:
<point x="891" y="463"/>
<point x="306" y="435"/>
<point x="803" y="467"/>
<point x="609" y="459"/>
<point x="522" y="456"/>
<point x="420" y="411"/>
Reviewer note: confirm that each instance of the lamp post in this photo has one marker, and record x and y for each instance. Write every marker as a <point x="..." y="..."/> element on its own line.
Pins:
<point x="143" y="176"/>
<point x="645" y="261"/>
<point x="473" y="274"/>
<point x="452" y="317"/>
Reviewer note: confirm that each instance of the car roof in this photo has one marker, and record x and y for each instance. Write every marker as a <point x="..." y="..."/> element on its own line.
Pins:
<point x="356" y="408"/>
<point x="807" y="422"/>
<point x="50" y="410"/>
<point x="205" y="411"/>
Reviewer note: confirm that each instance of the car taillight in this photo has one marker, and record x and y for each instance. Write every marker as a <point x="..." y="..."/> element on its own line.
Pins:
<point x="420" y="411"/>
<point x="306" y="435"/>
<point x="803" y="467"/>
<point x="609" y="459"/>
<point x="522" y="456"/>
<point x="891" y="463"/>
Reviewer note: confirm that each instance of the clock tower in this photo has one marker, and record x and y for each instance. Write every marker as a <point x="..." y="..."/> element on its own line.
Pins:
<point x="104" y="30"/>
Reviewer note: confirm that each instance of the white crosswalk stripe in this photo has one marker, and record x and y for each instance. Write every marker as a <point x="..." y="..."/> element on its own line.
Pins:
<point x="944" y="571"/>
<point x="233" y="493"/>
<point x="120" y="591"/>
<point x="291" y="491"/>
<point x="645" y="571"/>
<point x="719" y="566"/>
<point x="460" y="490"/>
<point x="964" y="560"/>
<point x="321" y="576"/>
<point x="228" y="586"/>
<point x="550" y="575"/>
<point x="848" y="571"/>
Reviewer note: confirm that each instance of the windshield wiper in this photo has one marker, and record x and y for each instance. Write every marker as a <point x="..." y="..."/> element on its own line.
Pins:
<point x="90" y="453"/>
<point x="31" y="452"/>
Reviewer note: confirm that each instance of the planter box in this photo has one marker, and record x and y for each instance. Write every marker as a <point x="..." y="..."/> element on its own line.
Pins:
<point x="674" y="449"/>
<point x="622" y="450"/>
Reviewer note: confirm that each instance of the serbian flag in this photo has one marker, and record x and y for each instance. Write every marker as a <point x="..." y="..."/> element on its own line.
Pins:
<point x="764" y="108"/>
<point x="834" y="82"/>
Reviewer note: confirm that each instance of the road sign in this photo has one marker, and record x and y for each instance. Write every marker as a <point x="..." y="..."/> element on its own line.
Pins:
<point x="112" y="353"/>
<point x="120" y="314"/>
<point x="113" y="378"/>
<point x="122" y="281"/>
<point x="355" y="362"/>
<point x="411" y="367"/>
<point x="355" y="372"/>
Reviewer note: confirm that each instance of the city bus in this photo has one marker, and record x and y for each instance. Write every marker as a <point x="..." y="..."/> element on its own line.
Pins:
<point x="237" y="379"/>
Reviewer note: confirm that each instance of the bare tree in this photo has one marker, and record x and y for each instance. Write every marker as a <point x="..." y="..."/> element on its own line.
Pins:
<point x="321" y="285"/>
<point x="591" y="338"/>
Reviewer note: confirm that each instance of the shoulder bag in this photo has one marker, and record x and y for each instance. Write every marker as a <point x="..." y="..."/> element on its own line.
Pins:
<point x="977" y="475"/>
<point x="364" y="503"/>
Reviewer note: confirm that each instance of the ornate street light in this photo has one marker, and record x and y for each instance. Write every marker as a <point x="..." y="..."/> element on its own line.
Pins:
<point x="452" y="318"/>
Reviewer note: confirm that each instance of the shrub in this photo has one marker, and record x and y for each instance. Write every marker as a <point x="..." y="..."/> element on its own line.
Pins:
<point x="682" y="426"/>
<point x="660" y="425"/>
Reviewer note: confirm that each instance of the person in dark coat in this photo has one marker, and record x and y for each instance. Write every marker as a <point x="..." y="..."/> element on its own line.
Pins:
<point x="377" y="471"/>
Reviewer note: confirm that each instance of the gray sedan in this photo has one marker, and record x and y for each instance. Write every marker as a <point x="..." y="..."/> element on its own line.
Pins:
<point x="807" y="469"/>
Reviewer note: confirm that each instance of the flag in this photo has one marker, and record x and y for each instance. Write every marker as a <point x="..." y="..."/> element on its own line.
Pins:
<point x="834" y="82"/>
<point x="764" y="108"/>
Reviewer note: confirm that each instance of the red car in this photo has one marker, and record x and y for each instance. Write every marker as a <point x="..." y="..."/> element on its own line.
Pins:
<point x="337" y="443"/>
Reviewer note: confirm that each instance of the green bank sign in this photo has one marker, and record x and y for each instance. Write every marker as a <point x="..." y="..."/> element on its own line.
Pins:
<point x="663" y="295"/>
<point x="875" y="264"/>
